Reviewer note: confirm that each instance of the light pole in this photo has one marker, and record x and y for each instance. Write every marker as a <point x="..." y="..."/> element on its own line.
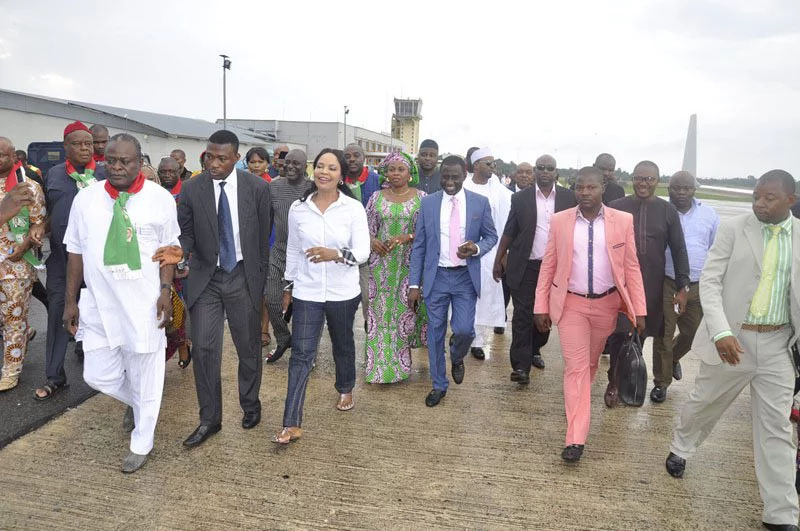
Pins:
<point x="346" y="111"/>
<point x="226" y="65"/>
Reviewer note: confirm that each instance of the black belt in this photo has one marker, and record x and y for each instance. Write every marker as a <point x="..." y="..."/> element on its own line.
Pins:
<point x="453" y="268"/>
<point x="690" y="283"/>
<point x="594" y="295"/>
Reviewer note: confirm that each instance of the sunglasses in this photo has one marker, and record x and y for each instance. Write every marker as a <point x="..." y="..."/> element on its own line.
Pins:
<point x="542" y="167"/>
<point x="649" y="180"/>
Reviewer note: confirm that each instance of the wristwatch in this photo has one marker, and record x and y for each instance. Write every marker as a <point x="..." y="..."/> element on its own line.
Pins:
<point x="166" y="286"/>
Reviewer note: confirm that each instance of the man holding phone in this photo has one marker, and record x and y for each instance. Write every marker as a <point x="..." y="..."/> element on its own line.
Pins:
<point x="19" y="233"/>
<point x="454" y="230"/>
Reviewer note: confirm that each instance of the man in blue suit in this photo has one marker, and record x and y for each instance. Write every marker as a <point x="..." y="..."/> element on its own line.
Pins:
<point x="454" y="229"/>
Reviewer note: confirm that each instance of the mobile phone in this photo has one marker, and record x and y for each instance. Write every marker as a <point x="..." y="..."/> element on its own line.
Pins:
<point x="677" y="308"/>
<point x="21" y="176"/>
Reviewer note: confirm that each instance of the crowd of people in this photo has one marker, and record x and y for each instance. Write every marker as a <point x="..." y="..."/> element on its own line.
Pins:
<point x="148" y="262"/>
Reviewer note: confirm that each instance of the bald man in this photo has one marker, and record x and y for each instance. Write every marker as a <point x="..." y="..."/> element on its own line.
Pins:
<point x="180" y="157"/>
<point x="525" y="239"/>
<point x="99" y="141"/>
<point x="657" y="227"/>
<point x="607" y="165"/>
<point x="699" y="223"/>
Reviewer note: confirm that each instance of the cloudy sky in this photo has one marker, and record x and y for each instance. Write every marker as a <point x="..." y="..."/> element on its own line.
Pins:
<point x="570" y="78"/>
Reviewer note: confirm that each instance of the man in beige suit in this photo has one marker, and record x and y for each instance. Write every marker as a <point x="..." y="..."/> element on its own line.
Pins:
<point x="749" y="290"/>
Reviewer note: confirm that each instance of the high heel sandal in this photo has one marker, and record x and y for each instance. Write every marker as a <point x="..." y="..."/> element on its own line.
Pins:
<point x="185" y="363"/>
<point x="287" y="435"/>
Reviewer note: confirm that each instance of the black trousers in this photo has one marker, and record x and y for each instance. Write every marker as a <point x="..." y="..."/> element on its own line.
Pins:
<point x="226" y="295"/>
<point x="57" y="337"/>
<point x="526" y="340"/>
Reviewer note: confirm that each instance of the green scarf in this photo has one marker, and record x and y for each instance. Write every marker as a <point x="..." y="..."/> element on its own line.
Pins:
<point x="121" y="253"/>
<point x="86" y="178"/>
<point x="21" y="223"/>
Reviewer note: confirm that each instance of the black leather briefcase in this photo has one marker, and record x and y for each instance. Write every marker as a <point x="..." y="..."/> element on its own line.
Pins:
<point x="631" y="372"/>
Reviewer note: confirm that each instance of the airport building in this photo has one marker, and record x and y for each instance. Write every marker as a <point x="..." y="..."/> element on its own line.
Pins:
<point x="320" y="135"/>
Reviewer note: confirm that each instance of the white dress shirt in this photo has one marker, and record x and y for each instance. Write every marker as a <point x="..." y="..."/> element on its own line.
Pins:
<point x="444" y="227"/>
<point x="231" y="192"/>
<point x="342" y="225"/>
<point x="545" y="207"/>
<point x="601" y="272"/>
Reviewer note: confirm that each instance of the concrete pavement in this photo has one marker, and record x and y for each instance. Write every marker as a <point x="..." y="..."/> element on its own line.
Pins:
<point x="488" y="457"/>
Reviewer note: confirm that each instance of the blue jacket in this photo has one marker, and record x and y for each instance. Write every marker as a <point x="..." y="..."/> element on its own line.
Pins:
<point x="425" y="252"/>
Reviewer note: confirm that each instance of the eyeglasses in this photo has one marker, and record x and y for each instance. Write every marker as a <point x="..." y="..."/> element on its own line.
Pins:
<point x="641" y="179"/>
<point x="542" y="167"/>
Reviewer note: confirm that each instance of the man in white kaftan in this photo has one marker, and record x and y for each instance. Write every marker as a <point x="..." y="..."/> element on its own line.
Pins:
<point x="490" y="310"/>
<point x="118" y="318"/>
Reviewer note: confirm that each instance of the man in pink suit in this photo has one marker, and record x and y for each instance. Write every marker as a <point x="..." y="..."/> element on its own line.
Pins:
<point x="589" y="273"/>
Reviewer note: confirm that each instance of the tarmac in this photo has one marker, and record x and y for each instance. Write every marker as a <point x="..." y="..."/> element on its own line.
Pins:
<point x="488" y="457"/>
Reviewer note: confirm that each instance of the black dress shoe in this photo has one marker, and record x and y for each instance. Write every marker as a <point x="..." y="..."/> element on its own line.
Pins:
<point x="658" y="394"/>
<point x="199" y="436"/>
<point x="458" y="372"/>
<point x="477" y="353"/>
<point x="677" y="373"/>
<point x="675" y="465"/>
<point x="537" y="361"/>
<point x="251" y="419"/>
<point x="276" y="354"/>
<point x="780" y="527"/>
<point x="520" y="376"/>
<point x="500" y="330"/>
<point x="572" y="453"/>
<point x="434" y="397"/>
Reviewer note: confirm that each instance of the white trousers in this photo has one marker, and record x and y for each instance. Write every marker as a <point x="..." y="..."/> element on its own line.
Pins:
<point x="135" y="379"/>
<point x="765" y="365"/>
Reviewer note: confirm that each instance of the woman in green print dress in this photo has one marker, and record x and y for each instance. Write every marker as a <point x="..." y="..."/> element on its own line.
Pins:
<point x="393" y="328"/>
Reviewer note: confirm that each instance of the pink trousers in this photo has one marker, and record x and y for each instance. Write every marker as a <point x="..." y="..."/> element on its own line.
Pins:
<point x="583" y="329"/>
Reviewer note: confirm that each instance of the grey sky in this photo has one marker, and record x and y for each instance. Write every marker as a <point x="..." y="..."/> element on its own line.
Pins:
<point x="571" y="78"/>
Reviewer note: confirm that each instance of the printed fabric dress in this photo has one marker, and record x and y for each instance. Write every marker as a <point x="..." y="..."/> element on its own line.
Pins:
<point x="393" y="328"/>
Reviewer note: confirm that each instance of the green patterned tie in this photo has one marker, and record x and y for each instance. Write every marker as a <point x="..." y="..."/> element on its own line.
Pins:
<point x="760" y="305"/>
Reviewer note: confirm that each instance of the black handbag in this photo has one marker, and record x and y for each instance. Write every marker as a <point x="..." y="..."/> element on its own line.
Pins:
<point x="631" y="372"/>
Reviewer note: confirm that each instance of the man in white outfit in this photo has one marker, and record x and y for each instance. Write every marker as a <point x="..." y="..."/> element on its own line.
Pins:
<point x="115" y="228"/>
<point x="490" y="310"/>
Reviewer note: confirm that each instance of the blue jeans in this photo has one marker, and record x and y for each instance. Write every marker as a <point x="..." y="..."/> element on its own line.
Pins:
<point x="307" y="320"/>
<point x="452" y="288"/>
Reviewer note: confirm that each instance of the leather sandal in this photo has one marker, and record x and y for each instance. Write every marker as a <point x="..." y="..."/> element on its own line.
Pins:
<point x="50" y="388"/>
<point x="287" y="435"/>
<point x="346" y="402"/>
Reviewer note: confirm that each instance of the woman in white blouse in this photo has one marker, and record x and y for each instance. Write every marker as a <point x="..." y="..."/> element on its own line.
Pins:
<point x="328" y="238"/>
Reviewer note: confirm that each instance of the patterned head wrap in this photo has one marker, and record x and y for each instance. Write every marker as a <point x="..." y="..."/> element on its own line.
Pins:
<point x="403" y="158"/>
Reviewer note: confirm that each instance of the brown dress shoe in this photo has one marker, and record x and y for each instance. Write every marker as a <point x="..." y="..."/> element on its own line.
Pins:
<point x="612" y="395"/>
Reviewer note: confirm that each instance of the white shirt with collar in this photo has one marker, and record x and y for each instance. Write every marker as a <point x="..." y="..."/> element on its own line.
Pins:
<point x="444" y="227"/>
<point x="231" y="192"/>
<point x="342" y="225"/>
<point x="545" y="207"/>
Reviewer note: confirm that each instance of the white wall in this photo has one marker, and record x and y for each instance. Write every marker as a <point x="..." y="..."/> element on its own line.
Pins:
<point x="23" y="128"/>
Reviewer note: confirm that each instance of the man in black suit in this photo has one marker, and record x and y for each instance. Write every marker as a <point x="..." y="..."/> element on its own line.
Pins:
<point x="525" y="239"/>
<point x="224" y="214"/>
<point x="607" y="165"/>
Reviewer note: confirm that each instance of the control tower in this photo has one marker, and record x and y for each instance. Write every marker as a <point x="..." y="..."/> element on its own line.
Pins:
<point x="405" y="123"/>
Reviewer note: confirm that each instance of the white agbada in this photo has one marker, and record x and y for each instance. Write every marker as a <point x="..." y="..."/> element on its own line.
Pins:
<point x="124" y="348"/>
<point x="490" y="308"/>
<point x="121" y="313"/>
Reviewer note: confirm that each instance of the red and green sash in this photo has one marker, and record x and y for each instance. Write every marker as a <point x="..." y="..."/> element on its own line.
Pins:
<point x="86" y="178"/>
<point x="121" y="253"/>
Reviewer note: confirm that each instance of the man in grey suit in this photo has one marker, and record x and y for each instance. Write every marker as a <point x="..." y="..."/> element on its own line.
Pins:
<point x="751" y="306"/>
<point x="224" y="214"/>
